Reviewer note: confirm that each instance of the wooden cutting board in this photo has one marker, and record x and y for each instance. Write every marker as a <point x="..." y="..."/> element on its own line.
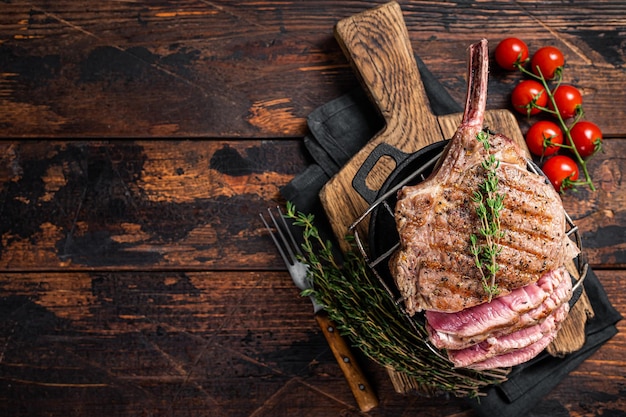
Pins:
<point x="377" y="44"/>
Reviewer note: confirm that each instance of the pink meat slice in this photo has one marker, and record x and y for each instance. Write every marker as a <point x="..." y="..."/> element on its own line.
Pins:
<point x="495" y="346"/>
<point x="507" y="313"/>
<point x="515" y="357"/>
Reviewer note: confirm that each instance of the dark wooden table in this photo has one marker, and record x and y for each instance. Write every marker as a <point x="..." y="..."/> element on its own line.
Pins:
<point x="141" y="139"/>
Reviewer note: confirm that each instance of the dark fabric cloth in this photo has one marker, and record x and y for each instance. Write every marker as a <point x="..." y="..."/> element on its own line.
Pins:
<point x="338" y="130"/>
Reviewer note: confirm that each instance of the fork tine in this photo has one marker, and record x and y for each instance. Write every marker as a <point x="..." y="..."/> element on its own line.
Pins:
<point x="276" y="242"/>
<point x="286" y="227"/>
<point x="281" y="232"/>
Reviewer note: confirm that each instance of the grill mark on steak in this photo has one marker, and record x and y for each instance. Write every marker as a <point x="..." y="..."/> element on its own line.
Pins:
<point x="433" y="268"/>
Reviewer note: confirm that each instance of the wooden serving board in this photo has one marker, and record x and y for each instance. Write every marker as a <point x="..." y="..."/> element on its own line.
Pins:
<point x="377" y="44"/>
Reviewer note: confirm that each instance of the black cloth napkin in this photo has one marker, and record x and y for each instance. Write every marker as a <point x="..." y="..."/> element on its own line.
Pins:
<point x="342" y="127"/>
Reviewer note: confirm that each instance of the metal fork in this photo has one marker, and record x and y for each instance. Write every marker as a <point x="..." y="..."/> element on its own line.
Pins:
<point x="291" y="253"/>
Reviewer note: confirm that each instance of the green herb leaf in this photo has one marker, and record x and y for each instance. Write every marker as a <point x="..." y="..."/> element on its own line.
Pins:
<point x="489" y="205"/>
<point x="367" y="314"/>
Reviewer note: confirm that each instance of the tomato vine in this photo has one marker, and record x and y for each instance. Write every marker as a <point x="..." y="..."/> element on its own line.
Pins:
<point x="544" y="93"/>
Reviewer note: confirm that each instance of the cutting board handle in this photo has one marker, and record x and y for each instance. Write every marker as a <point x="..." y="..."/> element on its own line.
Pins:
<point x="377" y="44"/>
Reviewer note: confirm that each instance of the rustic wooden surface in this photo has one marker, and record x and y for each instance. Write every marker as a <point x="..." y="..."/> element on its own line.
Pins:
<point x="136" y="278"/>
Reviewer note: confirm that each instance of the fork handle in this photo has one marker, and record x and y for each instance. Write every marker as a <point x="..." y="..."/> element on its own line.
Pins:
<point x="361" y="389"/>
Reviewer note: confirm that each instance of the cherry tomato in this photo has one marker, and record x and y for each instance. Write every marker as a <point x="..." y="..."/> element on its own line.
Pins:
<point x="568" y="100"/>
<point x="541" y="132"/>
<point x="587" y="137"/>
<point x="560" y="170"/>
<point x="549" y="60"/>
<point x="509" y="52"/>
<point x="527" y="93"/>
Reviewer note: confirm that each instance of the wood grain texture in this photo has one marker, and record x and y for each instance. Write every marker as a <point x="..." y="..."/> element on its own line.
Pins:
<point x="121" y="205"/>
<point x="212" y="343"/>
<point x="377" y="44"/>
<point x="135" y="276"/>
<point x="360" y="387"/>
<point x="128" y="205"/>
<point x="226" y="69"/>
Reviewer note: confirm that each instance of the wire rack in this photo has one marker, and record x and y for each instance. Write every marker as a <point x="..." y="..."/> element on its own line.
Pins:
<point x="385" y="204"/>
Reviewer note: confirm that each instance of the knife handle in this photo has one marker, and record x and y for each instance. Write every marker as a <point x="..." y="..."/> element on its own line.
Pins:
<point x="361" y="389"/>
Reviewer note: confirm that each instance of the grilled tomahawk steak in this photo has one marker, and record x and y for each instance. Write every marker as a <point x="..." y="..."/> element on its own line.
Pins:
<point x="433" y="267"/>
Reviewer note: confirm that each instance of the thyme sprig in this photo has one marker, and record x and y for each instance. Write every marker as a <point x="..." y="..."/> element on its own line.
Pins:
<point x="375" y="324"/>
<point x="489" y="205"/>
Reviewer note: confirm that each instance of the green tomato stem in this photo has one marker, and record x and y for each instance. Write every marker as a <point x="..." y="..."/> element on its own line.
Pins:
<point x="565" y="128"/>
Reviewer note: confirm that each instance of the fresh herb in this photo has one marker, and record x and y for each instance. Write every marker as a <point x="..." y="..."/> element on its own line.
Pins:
<point x="489" y="205"/>
<point x="368" y="315"/>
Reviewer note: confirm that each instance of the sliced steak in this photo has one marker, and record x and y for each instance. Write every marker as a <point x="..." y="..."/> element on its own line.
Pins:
<point x="515" y="357"/>
<point x="504" y="315"/>
<point x="433" y="268"/>
<point x="498" y="345"/>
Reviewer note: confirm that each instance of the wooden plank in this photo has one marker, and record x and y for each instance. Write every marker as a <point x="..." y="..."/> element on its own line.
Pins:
<point x="136" y="279"/>
<point x="127" y="205"/>
<point x="236" y="343"/>
<point x="71" y="71"/>
<point x="160" y="341"/>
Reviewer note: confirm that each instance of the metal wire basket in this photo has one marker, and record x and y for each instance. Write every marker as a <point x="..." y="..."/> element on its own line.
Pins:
<point x="384" y="205"/>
